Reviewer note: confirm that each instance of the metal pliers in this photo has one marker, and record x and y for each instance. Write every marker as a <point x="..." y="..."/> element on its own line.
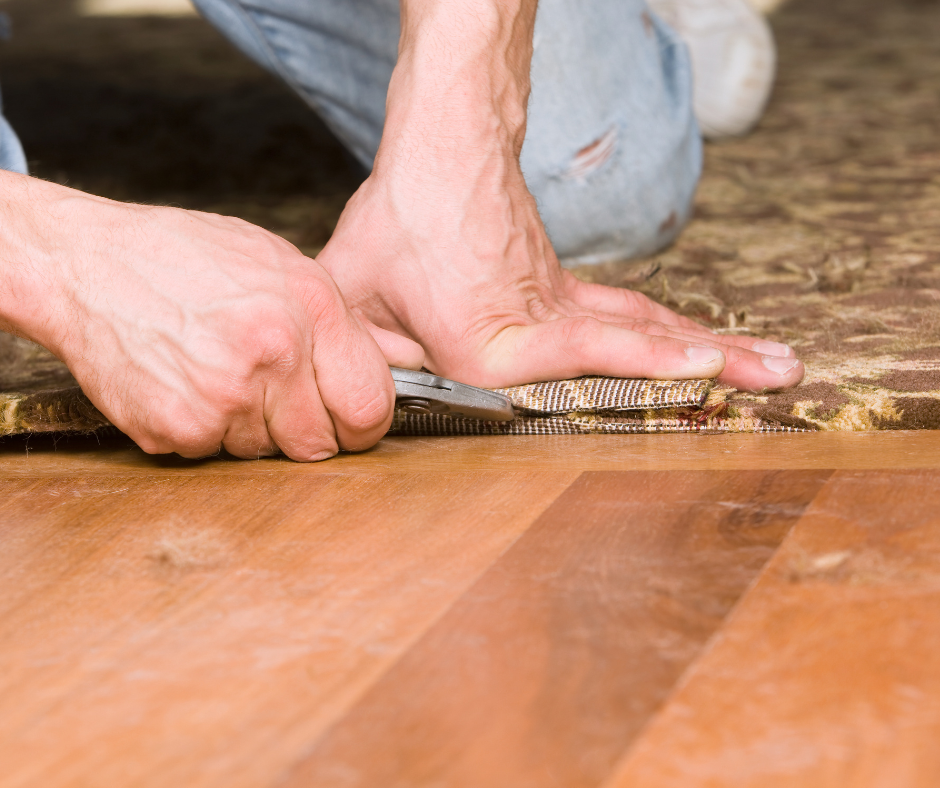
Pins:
<point x="422" y="392"/>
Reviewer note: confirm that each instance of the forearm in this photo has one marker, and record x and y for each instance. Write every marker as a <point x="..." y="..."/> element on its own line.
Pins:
<point x="31" y="257"/>
<point x="461" y="84"/>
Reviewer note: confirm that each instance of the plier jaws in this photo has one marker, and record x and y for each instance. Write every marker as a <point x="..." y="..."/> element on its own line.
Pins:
<point x="422" y="392"/>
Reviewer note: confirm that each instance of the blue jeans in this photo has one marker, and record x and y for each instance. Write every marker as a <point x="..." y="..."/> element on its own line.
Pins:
<point x="612" y="153"/>
<point x="11" y="152"/>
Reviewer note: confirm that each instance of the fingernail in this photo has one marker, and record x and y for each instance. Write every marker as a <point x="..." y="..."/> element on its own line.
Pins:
<point x="772" y="349"/>
<point x="702" y="355"/>
<point x="779" y="365"/>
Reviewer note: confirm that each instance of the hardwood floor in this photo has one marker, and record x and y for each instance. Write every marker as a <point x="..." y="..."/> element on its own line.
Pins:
<point x="580" y="611"/>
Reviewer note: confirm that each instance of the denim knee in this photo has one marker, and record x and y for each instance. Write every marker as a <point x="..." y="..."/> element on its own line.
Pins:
<point x="12" y="157"/>
<point x="613" y="153"/>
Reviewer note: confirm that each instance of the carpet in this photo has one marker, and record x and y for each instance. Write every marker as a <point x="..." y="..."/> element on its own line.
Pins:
<point x="821" y="229"/>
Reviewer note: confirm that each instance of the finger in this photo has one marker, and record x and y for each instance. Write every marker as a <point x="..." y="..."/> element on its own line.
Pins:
<point x="399" y="351"/>
<point x="746" y="368"/>
<point x="625" y="303"/>
<point x="771" y="366"/>
<point x="178" y="429"/>
<point x="358" y="391"/>
<point x="752" y="371"/>
<point x="617" y="303"/>
<point x="699" y="333"/>
<point x="570" y="347"/>
<point x="248" y="436"/>
<point x="765" y="347"/>
<point x="296" y="418"/>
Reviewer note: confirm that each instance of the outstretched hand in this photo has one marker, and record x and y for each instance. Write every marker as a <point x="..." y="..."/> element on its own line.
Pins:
<point x="443" y="243"/>
<point x="454" y="256"/>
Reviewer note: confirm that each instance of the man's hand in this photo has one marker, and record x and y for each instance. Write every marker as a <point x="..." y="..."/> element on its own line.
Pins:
<point x="443" y="243"/>
<point x="193" y="332"/>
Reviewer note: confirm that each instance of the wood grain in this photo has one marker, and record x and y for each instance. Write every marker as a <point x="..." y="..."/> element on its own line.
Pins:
<point x="44" y="456"/>
<point x="828" y="673"/>
<point x="544" y="671"/>
<point x="203" y="631"/>
<point x="257" y="624"/>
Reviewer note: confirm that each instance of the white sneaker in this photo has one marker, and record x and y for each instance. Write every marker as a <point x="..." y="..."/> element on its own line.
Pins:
<point x="733" y="61"/>
<point x="766" y="6"/>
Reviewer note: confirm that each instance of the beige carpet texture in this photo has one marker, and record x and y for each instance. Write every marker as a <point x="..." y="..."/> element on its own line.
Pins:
<point x="820" y="229"/>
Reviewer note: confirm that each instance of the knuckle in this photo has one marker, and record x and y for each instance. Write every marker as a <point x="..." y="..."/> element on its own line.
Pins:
<point x="579" y="333"/>
<point x="274" y="345"/>
<point x="636" y="299"/>
<point x="319" y="298"/>
<point x="149" y="444"/>
<point x="638" y="305"/>
<point x="648" y="327"/>
<point x="262" y="341"/>
<point x="178" y="428"/>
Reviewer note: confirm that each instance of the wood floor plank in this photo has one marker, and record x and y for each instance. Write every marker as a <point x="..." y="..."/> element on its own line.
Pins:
<point x="203" y="631"/>
<point x="849" y="450"/>
<point x="547" y="667"/>
<point x="828" y="674"/>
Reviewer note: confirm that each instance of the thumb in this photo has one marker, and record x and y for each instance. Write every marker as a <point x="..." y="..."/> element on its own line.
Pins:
<point x="399" y="351"/>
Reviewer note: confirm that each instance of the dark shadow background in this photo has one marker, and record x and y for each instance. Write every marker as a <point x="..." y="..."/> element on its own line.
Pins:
<point x="165" y="110"/>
